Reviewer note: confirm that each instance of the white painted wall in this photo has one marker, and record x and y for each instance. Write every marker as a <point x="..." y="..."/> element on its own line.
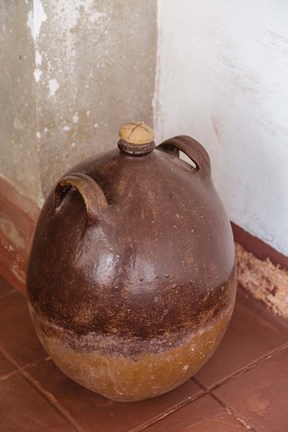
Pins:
<point x="223" y="79"/>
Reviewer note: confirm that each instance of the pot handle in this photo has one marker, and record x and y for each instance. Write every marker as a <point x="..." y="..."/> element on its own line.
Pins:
<point x="91" y="193"/>
<point x="193" y="149"/>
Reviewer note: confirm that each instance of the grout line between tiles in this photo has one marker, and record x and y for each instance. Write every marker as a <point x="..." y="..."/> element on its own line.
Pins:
<point x="48" y="396"/>
<point x="210" y="391"/>
<point x="232" y="412"/>
<point x="242" y="370"/>
<point x="37" y="362"/>
<point x="167" y="413"/>
<point x="251" y="366"/>
<point x="199" y="383"/>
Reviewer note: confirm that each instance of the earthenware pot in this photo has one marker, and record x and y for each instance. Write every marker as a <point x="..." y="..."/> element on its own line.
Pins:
<point x="131" y="277"/>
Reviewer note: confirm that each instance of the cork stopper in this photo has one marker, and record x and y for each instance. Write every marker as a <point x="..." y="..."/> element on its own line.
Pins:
<point x="136" y="139"/>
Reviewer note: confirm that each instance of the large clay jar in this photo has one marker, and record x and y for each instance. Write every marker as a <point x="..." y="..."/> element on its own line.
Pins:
<point x="131" y="278"/>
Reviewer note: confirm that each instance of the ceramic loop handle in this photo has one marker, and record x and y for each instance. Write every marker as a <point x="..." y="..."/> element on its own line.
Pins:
<point x="194" y="150"/>
<point x="91" y="193"/>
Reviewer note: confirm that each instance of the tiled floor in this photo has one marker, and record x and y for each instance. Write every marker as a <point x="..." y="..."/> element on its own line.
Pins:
<point x="244" y="386"/>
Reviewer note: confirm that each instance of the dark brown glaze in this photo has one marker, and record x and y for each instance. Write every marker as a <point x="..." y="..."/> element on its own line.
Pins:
<point x="134" y="245"/>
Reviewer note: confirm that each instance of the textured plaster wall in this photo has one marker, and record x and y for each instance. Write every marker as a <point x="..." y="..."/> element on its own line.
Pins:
<point x="90" y="68"/>
<point x="18" y="147"/>
<point x="223" y="78"/>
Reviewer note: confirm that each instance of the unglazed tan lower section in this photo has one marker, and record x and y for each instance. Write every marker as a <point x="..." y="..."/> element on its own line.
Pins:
<point x="133" y="377"/>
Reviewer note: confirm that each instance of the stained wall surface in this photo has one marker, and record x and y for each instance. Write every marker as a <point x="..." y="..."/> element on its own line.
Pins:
<point x="19" y="160"/>
<point x="222" y="78"/>
<point x="89" y="68"/>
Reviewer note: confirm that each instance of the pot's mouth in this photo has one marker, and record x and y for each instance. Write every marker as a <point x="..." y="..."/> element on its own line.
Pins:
<point x="136" y="139"/>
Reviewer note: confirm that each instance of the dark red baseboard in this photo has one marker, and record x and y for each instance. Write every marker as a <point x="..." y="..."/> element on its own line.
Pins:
<point x="259" y="248"/>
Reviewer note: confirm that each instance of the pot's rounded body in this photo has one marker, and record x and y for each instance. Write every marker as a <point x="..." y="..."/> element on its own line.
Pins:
<point x="132" y="278"/>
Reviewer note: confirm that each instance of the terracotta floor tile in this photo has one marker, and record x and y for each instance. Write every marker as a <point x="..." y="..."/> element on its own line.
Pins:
<point x="202" y="415"/>
<point x="22" y="409"/>
<point x="89" y="409"/>
<point x="17" y="335"/>
<point x="5" y="367"/>
<point x="251" y="334"/>
<point x="5" y="287"/>
<point x="260" y="396"/>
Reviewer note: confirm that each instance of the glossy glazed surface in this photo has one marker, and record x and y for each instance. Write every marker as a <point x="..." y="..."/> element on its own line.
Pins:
<point x="149" y="258"/>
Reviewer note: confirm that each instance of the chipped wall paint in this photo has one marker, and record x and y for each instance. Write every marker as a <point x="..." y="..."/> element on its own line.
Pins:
<point x="36" y="17"/>
<point x="98" y="62"/>
<point x="53" y="86"/>
<point x="222" y="78"/>
<point x="37" y="74"/>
